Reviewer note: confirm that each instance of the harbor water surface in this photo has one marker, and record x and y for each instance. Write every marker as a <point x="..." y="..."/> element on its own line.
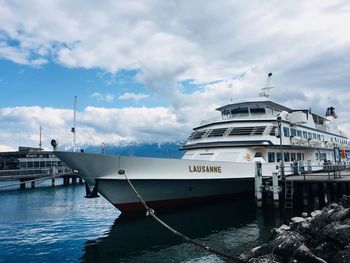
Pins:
<point x="57" y="224"/>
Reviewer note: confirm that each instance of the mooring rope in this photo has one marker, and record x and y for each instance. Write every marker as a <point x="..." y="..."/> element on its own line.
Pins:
<point x="151" y="212"/>
<point x="33" y="180"/>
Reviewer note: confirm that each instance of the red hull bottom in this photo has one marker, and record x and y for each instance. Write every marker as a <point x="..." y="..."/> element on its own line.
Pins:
<point x="183" y="203"/>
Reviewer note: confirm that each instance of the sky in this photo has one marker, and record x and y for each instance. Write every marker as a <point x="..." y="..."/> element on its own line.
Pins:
<point x="149" y="71"/>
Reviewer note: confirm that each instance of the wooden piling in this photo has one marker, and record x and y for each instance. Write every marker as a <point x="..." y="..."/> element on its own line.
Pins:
<point x="320" y="190"/>
<point x="22" y="184"/>
<point x="258" y="184"/>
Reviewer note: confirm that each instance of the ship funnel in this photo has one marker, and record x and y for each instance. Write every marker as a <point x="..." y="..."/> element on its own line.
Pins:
<point x="331" y="112"/>
<point x="265" y="91"/>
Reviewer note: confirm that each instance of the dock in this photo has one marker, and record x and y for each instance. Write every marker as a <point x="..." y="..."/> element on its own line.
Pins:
<point x="29" y="165"/>
<point x="303" y="185"/>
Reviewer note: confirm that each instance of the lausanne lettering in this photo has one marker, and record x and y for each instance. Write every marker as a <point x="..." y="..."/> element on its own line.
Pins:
<point x="204" y="169"/>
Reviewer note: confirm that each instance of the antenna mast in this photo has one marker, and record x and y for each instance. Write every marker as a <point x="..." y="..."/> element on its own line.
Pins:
<point x="265" y="91"/>
<point x="40" y="144"/>
<point x="74" y="122"/>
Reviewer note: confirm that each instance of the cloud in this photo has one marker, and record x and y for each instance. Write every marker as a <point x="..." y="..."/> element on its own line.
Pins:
<point x="304" y="43"/>
<point x="133" y="96"/>
<point x="20" y="126"/>
<point x="103" y="97"/>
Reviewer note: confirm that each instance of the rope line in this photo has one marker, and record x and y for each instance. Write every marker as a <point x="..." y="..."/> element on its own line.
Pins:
<point x="150" y="212"/>
<point x="33" y="180"/>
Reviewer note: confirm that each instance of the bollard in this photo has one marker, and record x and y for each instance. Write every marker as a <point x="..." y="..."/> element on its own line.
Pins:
<point x="258" y="184"/>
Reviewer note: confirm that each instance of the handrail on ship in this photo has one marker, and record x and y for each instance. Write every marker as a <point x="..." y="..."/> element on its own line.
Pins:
<point x="237" y="116"/>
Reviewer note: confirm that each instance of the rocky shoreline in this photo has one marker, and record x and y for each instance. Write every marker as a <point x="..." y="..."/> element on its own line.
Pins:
<point x="324" y="236"/>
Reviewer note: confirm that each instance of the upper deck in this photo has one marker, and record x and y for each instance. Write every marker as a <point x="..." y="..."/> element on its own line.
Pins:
<point x="255" y="121"/>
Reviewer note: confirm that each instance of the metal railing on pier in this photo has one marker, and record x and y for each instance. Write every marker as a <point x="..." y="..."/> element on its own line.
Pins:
<point x="324" y="171"/>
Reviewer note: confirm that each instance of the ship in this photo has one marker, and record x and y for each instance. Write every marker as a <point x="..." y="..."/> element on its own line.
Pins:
<point x="219" y="158"/>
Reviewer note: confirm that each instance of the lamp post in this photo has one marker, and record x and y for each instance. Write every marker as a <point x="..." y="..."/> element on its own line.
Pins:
<point x="279" y="122"/>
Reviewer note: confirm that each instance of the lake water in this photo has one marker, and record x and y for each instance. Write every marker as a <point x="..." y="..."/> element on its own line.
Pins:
<point x="57" y="224"/>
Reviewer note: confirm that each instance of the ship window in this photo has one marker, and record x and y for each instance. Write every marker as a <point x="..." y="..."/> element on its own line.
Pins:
<point x="304" y="134"/>
<point x="257" y="111"/>
<point x="241" y="131"/>
<point x="314" y="136"/>
<point x="316" y="156"/>
<point x="36" y="164"/>
<point x="30" y="164"/>
<point x="258" y="130"/>
<point x="293" y="132"/>
<point x="273" y="131"/>
<point x="292" y="157"/>
<point x="217" y="132"/>
<point x="302" y="156"/>
<point x="278" y="157"/>
<point x="286" y="157"/>
<point x="198" y="134"/>
<point x="190" y="137"/>
<point x="298" y="156"/>
<point x="286" y="131"/>
<point x="240" y="111"/>
<point x="318" y="137"/>
<point x="271" y="157"/>
<point x="299" y="133"/>
<point x="309" y="135"/>
<point x="258" y="154"/>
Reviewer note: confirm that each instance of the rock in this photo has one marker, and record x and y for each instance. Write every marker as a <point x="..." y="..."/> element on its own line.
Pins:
<point x="297" y="219"/>
<point x="320" y="220"/>
<point x="287" y="245"/>
<point x="340" y="214"/>
<point x="333" y="205"/>
<point x="278" y="231"/>
<point x="342" y="256"/>
<point x="304" y="214"/>
<point x="266" y="259"/>
<point x="316" y="213"/>
<point x="335" y="232"/>
<point x="326" y="250"/>
<point x="345" y="201"/>
<point x="299" y="224"/>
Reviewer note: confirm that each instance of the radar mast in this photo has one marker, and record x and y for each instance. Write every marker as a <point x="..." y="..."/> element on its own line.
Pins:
<point x="266" y="90"/>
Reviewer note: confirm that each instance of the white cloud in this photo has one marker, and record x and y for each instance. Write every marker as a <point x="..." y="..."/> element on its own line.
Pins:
<point x="103" y="97"/>
<point x="133" y="96"/>
<point x="20" y="126"/>
<point x="6" y="148"/>
<point x="304" y="43"/>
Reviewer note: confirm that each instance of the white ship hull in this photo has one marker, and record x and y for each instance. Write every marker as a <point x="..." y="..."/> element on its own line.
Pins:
<point x="162" y="182"/>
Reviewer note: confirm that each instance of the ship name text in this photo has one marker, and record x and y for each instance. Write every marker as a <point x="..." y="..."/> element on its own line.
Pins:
<point x="204" y="169"/>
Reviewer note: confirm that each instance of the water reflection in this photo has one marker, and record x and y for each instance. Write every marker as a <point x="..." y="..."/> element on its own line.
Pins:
<point x="230" y="226"/>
